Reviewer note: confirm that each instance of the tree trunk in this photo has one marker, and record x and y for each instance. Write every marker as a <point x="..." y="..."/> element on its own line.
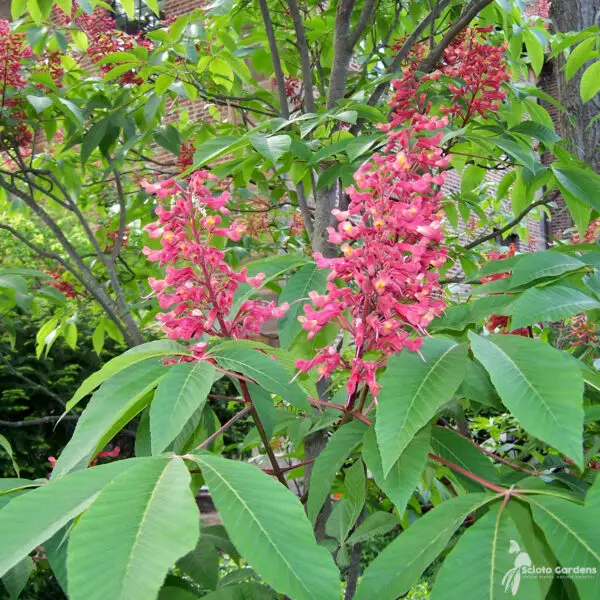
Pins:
<point x="574" y="124"/>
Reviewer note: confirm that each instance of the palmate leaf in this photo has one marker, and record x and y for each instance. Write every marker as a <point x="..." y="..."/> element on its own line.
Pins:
<point x="329" y="462"/>
<point x="180" y="393"/>
<point x="307" y="278"/>
<point x="240" y="591"/>
<point x="413" y="389"/>
<point x="158" y="348"/>
<point x="541" y="388"/>
<point x="404" y="476"/>
<point x="539" y="265"/>
<point x="33" y="517"/>
<point x="550" y="304"/>
<point x="376" y="524"/>
<point x="573" y="535"/>
<point x="482" y="567"/>
<point x="267" y="524"/>
<point x="398" y="567"/>
<point x="140" y="524"/>
<point x="109" y="410"/>
<point x="267" y="373"/>
<point x="453" y="447"/>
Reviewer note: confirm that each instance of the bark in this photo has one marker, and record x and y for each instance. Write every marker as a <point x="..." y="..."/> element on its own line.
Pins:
<point x="575" y="124"/>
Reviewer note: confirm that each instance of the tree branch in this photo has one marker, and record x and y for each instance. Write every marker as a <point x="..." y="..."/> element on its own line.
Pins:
<point x="467" y="15"/>
<point x="210" y="439"/>
<point x="302" y="45"/>
<point x="363" y="20"/>
<point x="279" y="78"/>
<point x="342" y="52"/>
<point x="510" y="224"/>
<point x="404" y="51"/>
<point x="33" y="384"/>
<point x="34" y="422"/>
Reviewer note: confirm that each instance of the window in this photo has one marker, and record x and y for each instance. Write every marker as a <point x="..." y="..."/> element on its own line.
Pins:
<point x="143" y="18"/>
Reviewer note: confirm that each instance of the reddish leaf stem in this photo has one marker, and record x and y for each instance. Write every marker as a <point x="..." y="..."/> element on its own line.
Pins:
<point x="472" y="476"/>
<point x="491" y="454"/>
<point x="224" y="427"/>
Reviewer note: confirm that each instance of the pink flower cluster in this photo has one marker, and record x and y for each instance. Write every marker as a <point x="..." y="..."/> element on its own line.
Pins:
<point x="383" y="289"/>
<point x="104" y="38"/>
<point x="199" y="286"/>
<point x="482" y="71"/>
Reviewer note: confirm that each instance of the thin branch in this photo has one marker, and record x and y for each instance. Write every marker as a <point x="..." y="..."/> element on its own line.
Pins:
<point x="122" y="217"/>
<point x="263" y="435"/>
<point x="302" y="45"/>
<point x="34" y="422"/>
<point x="491" y="454"/>
<point x="279" y="78"/>
<point x="210" y="439"/>
<point x="412" y="39"/>
<point x="363" y="20"/>
<point x="30" y="382"/>
<point x="310" y="461"/>
<point x="342" y="52"/>
<point x="468" y="474"/>
<point x="467" y="15"/>
<point x="510" y="224"/>
<point x="304" y="208"/>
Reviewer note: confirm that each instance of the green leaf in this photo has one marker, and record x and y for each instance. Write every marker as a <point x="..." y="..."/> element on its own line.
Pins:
<point x="92" y="138"/>
<point x="581" y="183"/>
<point x="535" y="51"/>
<point x="533" y="129"/>
<point x="580" y="212"/>
<point x="405" y="474"/>
<point x="573" y="536"/>
<point x="140" y="524"/>
<point x="111" y="407"/>
<point x="329" y="462"/>
<point x="265" y="371"/>
<point x="492" y="552"/>
<point x="387" y="577"/>
<point x="180" y="393"/>
<point x="540" y="387"/>
<point x="413" y="389"/>
<point x="478" y="387"/>
<point x="16" y="579"/>
<point x="202" y="564"/>
<point x="98" y="338"/>
<point x="39" y="103"/>
<point x="30" y="519"/>
<point x="240" y="591"/>
<point x="169" y="138"/>
<point x="550" y="304"/>
<point x="307" y="278"/>
<point x="534" y="542"/>
<point x="520" y="153"/>
<point x="578" y="56"/>
<point x="273" y="147"/>
<point x="590" y="82"/>
<point x="378" y="523"/>
<point x="267" y="524"/>
<point x="18" y="8"/>
<point x="215" y="147"/>
<point x="347" y="116"/>
<point x="159" y="348"/>
<point x="456" y="449"/>
<point x="274" y="268"/>
<point x="346" y="512"/>
<point x="328" y="176"/>
<point x="5" y="444"/>
<point x="543" y="264"/>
